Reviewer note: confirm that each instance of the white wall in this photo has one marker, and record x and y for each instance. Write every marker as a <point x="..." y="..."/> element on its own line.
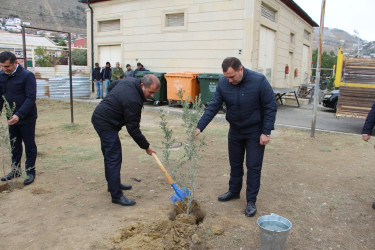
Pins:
<point x="214" y="29"/>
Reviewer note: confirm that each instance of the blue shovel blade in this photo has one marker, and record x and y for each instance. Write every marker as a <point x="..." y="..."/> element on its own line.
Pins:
<point x="180" y="194"/>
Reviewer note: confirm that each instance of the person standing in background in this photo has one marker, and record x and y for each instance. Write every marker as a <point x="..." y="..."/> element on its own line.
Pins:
<point x="129" y="72"/>
<point x="106" y="76"/>
<point x="97" y="79"/>
<point x="139" y="68"/>
<point x="117" y="73"/>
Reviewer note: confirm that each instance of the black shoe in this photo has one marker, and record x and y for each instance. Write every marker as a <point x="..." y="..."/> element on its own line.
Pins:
<point x="30" y="179"/>
<point x="13" y="174"/>
<point x="97" y="97"/>
<point x="228" y="196"/>
<point x="125" y="187"/>
<point x="373" y="205"/>
<point x="123" y="201"/>
<point x="251" y="209"/>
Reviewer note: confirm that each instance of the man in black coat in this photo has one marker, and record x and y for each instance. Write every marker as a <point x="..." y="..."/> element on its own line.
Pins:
<point x="251" y="113"/>
<point x="122" y="107"/>
<point x="18" y="86"/>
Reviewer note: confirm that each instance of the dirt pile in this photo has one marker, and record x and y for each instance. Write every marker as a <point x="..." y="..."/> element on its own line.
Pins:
<point x="179" y="232"/>
<point x="196" y="213"/>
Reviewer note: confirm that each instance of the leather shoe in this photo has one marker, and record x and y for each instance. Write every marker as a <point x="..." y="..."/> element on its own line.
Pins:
<point x="13" y="174"/>
<point x="123" y="201"/>
<point x="124" y="187"/>
<point x="228" y="196"/>
<point x="251" y="209"/>
<point x="373" y="205"/>
<point x="30" y="179"/>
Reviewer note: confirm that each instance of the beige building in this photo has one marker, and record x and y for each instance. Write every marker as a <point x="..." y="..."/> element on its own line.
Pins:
<point x="268" y="36"/>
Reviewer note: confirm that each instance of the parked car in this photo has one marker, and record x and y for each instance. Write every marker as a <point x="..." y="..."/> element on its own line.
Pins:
<point x="330" y="99"/>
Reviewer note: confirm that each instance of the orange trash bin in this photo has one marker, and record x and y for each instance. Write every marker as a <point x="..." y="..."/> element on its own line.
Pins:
<point x="182" y="80"/>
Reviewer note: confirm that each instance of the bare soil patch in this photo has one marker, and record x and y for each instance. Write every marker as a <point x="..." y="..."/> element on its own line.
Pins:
<point x="323" y="185"/>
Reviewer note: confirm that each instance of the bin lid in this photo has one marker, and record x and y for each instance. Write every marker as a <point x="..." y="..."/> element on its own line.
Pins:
<point x="210" y="76"/>
<point x="182" y="74"/>
<point x="143" y="73"/>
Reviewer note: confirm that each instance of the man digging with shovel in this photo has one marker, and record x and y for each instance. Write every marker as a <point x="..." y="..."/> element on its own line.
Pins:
<point x="122" y="107"/>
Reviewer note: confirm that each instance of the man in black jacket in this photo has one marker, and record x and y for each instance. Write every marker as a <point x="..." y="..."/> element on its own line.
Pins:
<point x="122" y="107"/>
<point x="251" y="113"/>
<point x="18" y="86"/>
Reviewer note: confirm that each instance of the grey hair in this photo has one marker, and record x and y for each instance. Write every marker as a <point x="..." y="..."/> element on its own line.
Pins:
<point x="150" y="79"/>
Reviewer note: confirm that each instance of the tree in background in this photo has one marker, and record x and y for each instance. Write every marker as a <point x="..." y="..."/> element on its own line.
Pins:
<point x="42" y="58"/>
<point x="79" y="57"/>
<point x="327" y="62"/>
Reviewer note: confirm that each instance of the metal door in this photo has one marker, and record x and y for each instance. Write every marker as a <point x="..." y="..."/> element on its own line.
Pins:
<point x="266" y="52"/>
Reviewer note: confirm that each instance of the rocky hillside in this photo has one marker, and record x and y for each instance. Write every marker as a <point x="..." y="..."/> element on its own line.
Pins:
<point x="66" y="15"/>
<point x="333" y="38"/>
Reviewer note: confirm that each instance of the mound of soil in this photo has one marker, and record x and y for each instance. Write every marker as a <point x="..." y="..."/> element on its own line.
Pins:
<point x="196" y="213"/>
<point x="180" y="232"/>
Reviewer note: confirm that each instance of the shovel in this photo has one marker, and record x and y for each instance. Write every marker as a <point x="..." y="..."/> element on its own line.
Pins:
<point x="180" y="194"/>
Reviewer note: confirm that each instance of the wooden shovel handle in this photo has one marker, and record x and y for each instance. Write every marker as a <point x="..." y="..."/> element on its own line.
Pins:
<point x="162" y="168"/>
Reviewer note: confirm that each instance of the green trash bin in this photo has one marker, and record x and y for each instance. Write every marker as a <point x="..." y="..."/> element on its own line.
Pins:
<point x="161" y="95"/>
<point x="208" y="83"/>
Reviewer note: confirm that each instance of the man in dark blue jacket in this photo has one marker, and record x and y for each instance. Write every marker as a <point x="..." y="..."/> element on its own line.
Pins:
<point x="368" y="127"/>
<point x="251" y="113"/>
<point x="122" y="107"/>
<point x="139" y="68"/>
<point x="18" y="86"/>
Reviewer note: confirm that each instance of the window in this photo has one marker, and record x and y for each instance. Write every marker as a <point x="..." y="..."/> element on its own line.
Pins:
<point x="268" y="13"/>
<point x="109" y="25"/>
<point x="175" y="20"/>
<point x="306" y="35"/>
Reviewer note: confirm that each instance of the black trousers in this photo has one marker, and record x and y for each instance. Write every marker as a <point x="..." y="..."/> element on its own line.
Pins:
<point x="23" y="132"/>
<point x="112" y="152"/>
<point x="238" y="145"/>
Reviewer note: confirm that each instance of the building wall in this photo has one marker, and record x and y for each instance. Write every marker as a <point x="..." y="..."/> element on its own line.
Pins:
<point x="287" y="22"/>
<point x="214" y="29"/>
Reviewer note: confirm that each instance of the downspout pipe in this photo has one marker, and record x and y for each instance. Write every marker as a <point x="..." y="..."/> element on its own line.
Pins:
<point x="92" y="43"/>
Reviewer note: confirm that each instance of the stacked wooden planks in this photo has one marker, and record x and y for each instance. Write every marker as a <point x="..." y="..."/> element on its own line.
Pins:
<point x="358" y="70"/>
<point x="355" y="101"/>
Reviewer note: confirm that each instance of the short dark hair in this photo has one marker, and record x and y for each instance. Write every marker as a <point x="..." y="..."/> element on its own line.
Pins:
<point x="107" y="63"/>
<point x="139" y="64"/>
<point x="231" y="62"/>
<point x="127" y="65"/>
<point x="150" y="79"/>
<point x="7" y="55"/>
